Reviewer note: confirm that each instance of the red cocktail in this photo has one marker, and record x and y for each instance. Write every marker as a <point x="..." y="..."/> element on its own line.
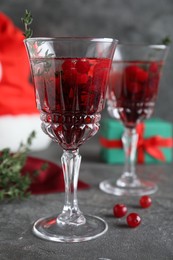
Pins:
<point x="70" y="95"/>
<point x="70" y="78"/>
<point x="134" y="86"/>
<point x="133" y="89"/>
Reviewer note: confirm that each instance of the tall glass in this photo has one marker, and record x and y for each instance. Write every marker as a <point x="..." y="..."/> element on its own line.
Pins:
<point x="132" y="93"/>
<point x="70" y="78"/>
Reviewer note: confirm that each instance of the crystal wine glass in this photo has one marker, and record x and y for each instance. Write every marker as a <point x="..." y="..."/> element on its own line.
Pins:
<point x="70" y="78"/>
<point x="132" y="92"/>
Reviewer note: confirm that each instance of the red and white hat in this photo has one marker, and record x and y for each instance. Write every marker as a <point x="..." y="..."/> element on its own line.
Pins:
<point x="18" y="113"/>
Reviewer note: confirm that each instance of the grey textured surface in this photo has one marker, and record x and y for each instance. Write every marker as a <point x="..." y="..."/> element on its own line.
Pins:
<point x="133" y="21"/>
<point x="151" y="240"/>
<point x="129" y="21"/>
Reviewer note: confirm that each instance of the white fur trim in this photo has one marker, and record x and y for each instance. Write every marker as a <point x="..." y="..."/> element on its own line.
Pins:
<point x="16" y="129"/>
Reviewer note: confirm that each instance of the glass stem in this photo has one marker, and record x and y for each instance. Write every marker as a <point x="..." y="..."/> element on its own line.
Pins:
<point x="71" y="214"/>
<point x="129" y="140"/>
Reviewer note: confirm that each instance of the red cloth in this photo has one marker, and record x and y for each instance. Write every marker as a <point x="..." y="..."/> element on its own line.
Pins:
<point x="16" y="93"/>
<point x="48" y="181"/>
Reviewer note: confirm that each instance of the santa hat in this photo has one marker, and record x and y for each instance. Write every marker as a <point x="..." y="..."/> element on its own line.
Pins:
<point x="18" y="113"/>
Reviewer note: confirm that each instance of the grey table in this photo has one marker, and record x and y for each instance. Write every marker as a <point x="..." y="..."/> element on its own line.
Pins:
<point x="153" y="239"/>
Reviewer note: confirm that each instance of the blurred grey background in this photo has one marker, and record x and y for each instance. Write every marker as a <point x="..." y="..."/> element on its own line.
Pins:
<point x="135" y="21"/>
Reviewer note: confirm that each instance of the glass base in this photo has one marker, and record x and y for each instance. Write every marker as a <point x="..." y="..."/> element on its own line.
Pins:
<point x="142" y="188"/>
<point x="48" y="229"/>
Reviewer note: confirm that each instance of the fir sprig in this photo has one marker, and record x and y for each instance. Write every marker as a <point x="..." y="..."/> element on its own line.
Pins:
<point x="27" y="21"/>
<point x="166" y="40"/>
<point x="12" y="183"/>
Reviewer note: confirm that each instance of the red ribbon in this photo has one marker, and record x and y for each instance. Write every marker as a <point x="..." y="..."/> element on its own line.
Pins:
<point x="149" y="145"/>
<point x="110" y="144"/>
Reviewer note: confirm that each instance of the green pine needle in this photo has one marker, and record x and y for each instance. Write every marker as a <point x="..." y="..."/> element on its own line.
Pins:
<point x="166" y="40"/>
<point x="27" y="21"/>
<point x="12" y="184"/>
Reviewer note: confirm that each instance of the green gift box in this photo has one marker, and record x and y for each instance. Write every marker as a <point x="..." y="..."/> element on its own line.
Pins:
<point x="154" y="145"/>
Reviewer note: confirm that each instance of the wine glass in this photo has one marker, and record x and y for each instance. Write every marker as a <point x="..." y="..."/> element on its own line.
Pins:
<point x="132" y="92"/>
<point x="70" y="78"/>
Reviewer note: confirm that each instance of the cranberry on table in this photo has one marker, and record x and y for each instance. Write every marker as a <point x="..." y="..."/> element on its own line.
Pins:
<point x="119" y="210"/>
<point x="145" y="201"/>
<point x="133" y="220"/>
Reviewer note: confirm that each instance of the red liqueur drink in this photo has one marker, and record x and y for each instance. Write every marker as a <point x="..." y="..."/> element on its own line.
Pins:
<point x="133" y="89"/>
<point x="70" y="76"/>
<point x="70" y="93"/>
<point x="134" y="86"/>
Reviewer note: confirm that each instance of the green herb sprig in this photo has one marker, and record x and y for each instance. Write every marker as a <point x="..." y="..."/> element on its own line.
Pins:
<point x="12" y="184"/>
<point x="27" y="21"/>
<point x="166" y="40"/>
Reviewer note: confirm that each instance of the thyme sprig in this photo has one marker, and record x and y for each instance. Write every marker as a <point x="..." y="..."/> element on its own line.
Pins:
<point x="166" y="40"/>
<point x="12" y="184"/>
<point x="35" y="47"/>
<point x="27" y="21"/>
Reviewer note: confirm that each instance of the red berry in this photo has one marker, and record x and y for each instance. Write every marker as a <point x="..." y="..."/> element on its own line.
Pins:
<point x="119" y="210"/>
<point x="102" y="65"/>
<point x="82" y="78"/>
<point x="154" y="68"/>
<point x="142" y="75"/>
<point x="135" y="73"/>
<point x="133" y="220"/>
<point x="135" y="78"/>
<point x="145" y="201"/>
<point x="70" y="77"/>
<point x="134" y="87"/>
<point x="68" y="64"/>
<point x="82" y="66"/>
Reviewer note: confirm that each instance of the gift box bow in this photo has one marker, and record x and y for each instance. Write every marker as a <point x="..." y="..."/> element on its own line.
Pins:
<point x="150" y="145"/>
